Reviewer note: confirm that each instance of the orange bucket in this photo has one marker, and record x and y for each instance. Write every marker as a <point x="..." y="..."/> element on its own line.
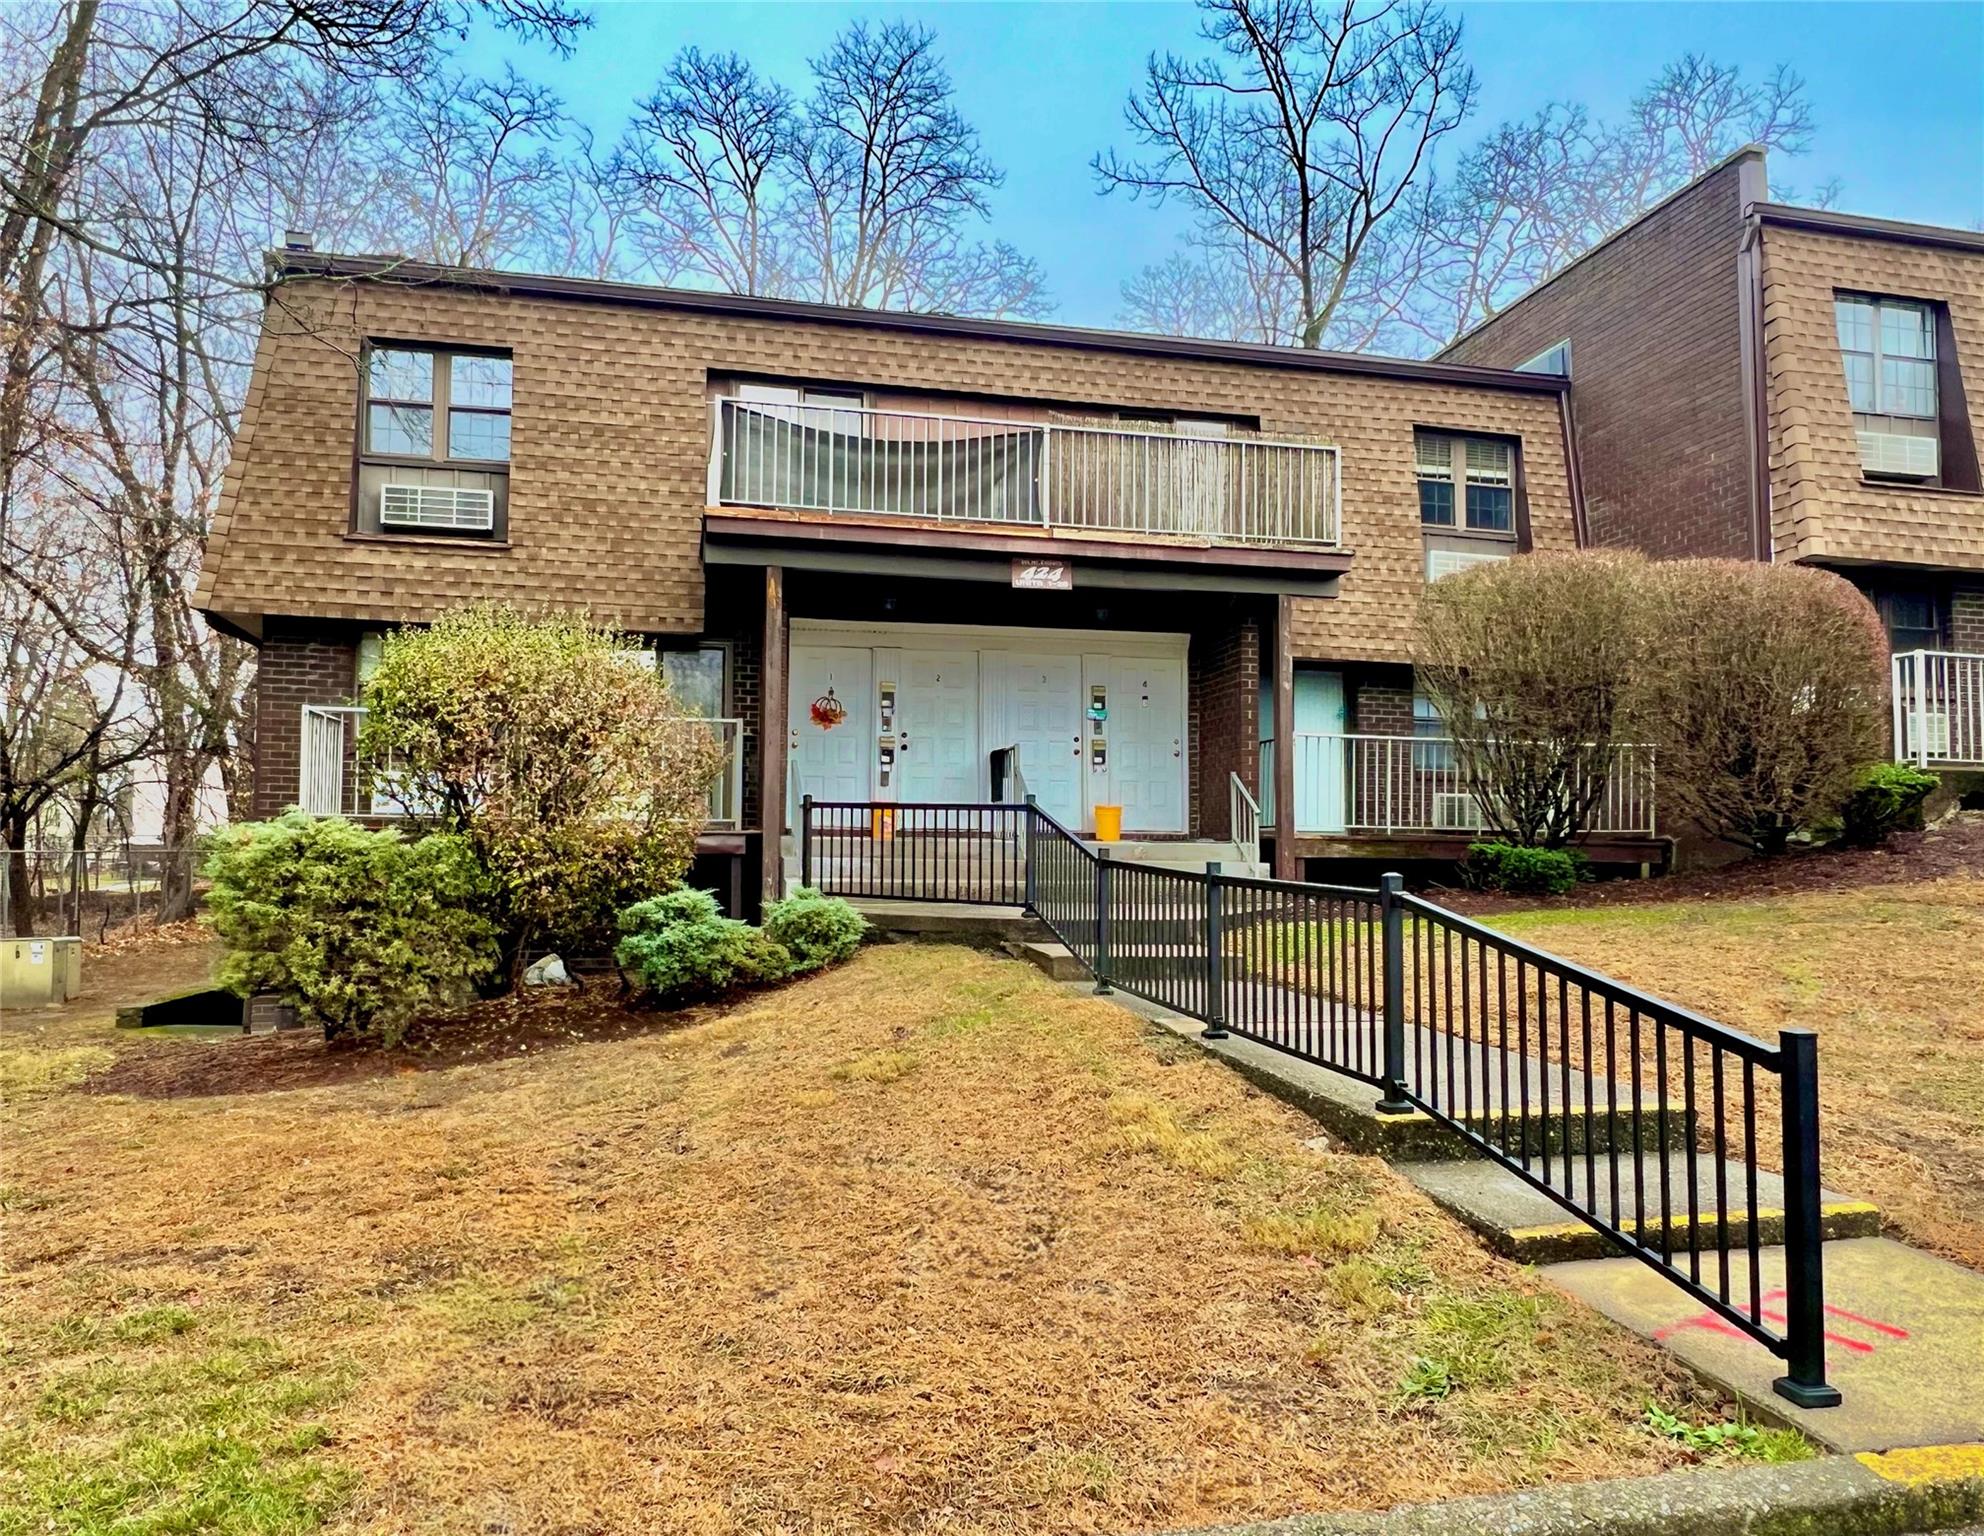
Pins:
<point x="881" y="824"/>
<point x="1108" y="823"/>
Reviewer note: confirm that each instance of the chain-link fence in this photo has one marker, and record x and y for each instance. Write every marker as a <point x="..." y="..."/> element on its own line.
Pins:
<point x="96" y="892"/>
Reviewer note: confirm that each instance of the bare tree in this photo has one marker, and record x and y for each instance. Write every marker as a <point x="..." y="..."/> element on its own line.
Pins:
<point x="1298" y="138"/>
<point x="700" y="167"/>
<point x="1533" y="195"/>
<point x="866" y="194"/>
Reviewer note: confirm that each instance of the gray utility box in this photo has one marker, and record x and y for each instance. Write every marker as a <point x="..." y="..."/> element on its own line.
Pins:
<point x="37" y="972"/>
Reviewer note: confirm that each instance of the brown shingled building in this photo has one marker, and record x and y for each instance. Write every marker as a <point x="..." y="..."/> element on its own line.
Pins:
<point x="1760" y="381"/>
<point x="919" y="558"/>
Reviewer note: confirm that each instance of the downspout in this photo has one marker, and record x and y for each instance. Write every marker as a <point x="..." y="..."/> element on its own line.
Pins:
<point x="1750" y="327"/>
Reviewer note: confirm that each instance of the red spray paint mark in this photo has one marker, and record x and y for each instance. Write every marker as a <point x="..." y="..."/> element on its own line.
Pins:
<point x="1770" y="1307"/>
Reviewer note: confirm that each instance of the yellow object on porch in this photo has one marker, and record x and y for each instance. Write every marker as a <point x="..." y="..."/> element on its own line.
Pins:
<point x="1108" y="823"/>
<point x="882" y="824"/>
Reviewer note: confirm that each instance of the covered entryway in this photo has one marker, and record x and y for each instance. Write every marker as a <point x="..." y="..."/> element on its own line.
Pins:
<point x="913" y="713"/>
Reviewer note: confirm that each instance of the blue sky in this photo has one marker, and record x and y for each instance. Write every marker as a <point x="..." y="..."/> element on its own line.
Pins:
<point x="1897" y="91"/>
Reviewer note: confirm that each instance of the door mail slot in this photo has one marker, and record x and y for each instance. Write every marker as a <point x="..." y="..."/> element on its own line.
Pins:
<point x="1098" y="752"/>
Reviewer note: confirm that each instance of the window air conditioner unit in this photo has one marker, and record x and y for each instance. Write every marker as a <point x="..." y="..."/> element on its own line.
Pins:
<point x="1445" y="562"/>
<point x="1896" y="453"/>
<point x="1934" y="728"/>
<point x="454" y="508"/>
<point x="1456" y="813"/>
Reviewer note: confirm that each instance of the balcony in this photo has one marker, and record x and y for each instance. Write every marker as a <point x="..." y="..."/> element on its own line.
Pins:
<point x="1379" y="786"/>
<point x="985" y="473"/>
<point x="1939" y="709"/>
<point x="332" y="783"/>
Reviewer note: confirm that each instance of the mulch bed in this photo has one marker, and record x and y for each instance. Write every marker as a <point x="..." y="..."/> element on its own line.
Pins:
<point x="1953" y="848"/>
<point x="524" y="1025"/>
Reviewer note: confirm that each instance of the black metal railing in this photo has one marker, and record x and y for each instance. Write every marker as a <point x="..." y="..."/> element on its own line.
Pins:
<point x="1648" y="1122"/>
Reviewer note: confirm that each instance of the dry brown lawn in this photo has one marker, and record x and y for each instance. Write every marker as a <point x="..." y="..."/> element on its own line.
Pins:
<point x="920" y="1243"/>
<point x="1891" y="977"/>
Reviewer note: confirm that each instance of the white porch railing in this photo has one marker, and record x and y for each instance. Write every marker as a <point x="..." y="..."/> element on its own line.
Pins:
<point x="1939" y="708"/>
<point x="1349" y="784"/>
<point x="332" y="785"/>
<point x="980" y="470"/>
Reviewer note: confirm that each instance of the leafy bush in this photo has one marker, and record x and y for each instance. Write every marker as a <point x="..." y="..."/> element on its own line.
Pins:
<point x="816" y="930"/>
<point x="1524" y="871"/>
<point x="361" y="931"/>
<point x="679" y="946"/>
<point x="1888" y="798"/>
<point x="564" y="761"/>
<point x="1767" y="691"/>
<point x="1534" y="666"/>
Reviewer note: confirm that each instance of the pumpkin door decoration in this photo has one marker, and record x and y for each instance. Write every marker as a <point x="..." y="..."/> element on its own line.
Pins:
<point x="828" y="711"/>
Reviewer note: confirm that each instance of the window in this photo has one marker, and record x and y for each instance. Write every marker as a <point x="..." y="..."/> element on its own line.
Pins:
<point x="1915" y="620"/>
<point x="1888" y="350"/>
<point x="1431" y="751"/>
<point x="1556" y="360"/>
<point x="1477" y="474"/>
<point x="696" y="678"/>
<point x="405" y="387"/>
<point x="828" y="410"/>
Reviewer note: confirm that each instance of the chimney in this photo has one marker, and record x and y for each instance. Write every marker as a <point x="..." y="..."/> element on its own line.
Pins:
<point x="299" y="240"/>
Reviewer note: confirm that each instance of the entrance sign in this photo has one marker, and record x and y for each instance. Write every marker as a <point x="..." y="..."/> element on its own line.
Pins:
<point x="1043" y="575"/>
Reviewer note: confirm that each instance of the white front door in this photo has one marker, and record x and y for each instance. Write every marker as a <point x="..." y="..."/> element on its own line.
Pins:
<point x="831" y="740"/>
<point x="937" y="756"/>
<point x="1145" y="739"/>
<point x="1319" y="751"/>
<point x="1044" y="692"/>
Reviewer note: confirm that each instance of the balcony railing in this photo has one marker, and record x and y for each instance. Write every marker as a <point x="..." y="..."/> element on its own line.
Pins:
<point x="1939" y="708"/>
<point x="332" y="783"/>
<point x="979" y="471"/>
<point x="1363" y="785"/>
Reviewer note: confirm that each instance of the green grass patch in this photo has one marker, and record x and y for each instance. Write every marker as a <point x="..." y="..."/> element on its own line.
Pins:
<point x="1467" y="1343"/>
<point x="174" y="1428"/>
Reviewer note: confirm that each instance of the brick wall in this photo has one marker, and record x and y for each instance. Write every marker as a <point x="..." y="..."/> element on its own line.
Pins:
<point x="1384" y="708"/>
<point x="1653" y="318"/>
<point x="1225" y="707"/>
<point x="295" y="667"/>
<point x="1967" y="619"/>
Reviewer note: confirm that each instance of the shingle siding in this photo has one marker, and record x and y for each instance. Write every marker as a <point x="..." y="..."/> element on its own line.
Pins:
<point x="610" y="443"/>
<point x="1822" y="507"/>
<point x="1653" y="318"/>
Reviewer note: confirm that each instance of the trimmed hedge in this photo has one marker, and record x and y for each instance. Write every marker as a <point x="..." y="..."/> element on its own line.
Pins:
<point x="1887" y="798"/>
<point x="815" y="930"/>
<point x="1524" y="871"/>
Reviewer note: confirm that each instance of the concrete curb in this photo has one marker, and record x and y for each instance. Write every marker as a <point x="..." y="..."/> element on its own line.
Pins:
<point x="1931" y="1490"/>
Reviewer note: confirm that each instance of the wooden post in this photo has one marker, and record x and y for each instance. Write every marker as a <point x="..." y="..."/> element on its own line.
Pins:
<point x="772" y="732"/>
<point x="1285" y="864"/>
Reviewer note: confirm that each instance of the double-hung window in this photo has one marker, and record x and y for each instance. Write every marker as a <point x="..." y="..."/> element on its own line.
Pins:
<point x="1431" y="750"/>
<point x="407" y="388"/>
<point x="1465" y="483"/>
<point x="434" y="456"/>
<point x="1888" y="349"/>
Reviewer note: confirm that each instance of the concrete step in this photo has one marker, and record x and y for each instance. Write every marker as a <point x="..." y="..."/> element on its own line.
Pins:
<point x="1053" y="958"/>
<point x="1520" y="1222"/>
<point x="959" y="923"/>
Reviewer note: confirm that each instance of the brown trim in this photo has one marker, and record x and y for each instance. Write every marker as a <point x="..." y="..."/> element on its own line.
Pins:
<point x="1574" y="471"/>
<point x="730" y="523"/>
<point x="302" y="264"/>
<point x="1957" y="451"/>
<point x="1825" y="221"/>
<point x="772" y="730"/>
<point x="1285" y="862"/>
<point x="1755" y="383"/>
<point x="468" y="542"/>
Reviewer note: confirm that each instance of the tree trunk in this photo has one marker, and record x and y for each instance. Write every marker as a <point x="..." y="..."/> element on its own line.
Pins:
<point x="17" y="911"/>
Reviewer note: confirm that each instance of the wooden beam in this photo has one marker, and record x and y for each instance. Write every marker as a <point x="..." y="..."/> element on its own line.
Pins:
<point x="1284" y="739"/>
<point x="773" y="681"/>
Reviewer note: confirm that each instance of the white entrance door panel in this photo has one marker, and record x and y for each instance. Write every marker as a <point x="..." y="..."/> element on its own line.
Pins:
<point x="1319" y="763"/>
<point x="832" y="761"/>
<point x="937" y="756"/>
<point x="1145" y="733"/>
<point x="1044" y="700"/>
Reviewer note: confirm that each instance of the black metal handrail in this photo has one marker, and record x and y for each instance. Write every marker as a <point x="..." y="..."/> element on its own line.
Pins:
<point x="1591" y="1091"/>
